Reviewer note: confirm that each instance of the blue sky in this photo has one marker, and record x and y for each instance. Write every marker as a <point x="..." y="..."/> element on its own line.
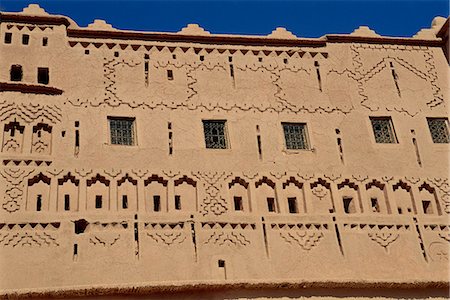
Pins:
<point x="304" y="18"/>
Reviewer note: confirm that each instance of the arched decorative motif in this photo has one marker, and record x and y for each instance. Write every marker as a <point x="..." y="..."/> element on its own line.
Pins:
<point x="347" y="182"/>
<point x="185" y="179"/>
<point x="126" y="178"/>
<point x="322" y="182"/>
<point x="266" y="181"/>
<point x="155" y="178"/>
<point x="375" y="183"/>
<point x="427" y="187"/>
<point x="238" y="180"/>
<point x="96" y="178"/>
<point x="42" y="126"/>
<point x="68" y="177"/>
<point x="13" y="137"/>
<point x="38" y="178"/>
<point x="401" y="184"/>
<point x="294" y="181"/>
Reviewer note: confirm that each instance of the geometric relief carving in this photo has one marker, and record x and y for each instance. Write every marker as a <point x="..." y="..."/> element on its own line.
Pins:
<point x="30" y="112"/>
<point x="41" y="139"/>
<point x="384" y="239"/>
<point x="27" y="239"/>
<point x="306" y="240"/>
<point x="227" y="238"/>
<point x="105" y="240"/>
<point x="13" y="137"/>
<point x="438" y="252"/>
<point x="167" y="238"/>
<point x="14" y="188"/>
<point x="213" y="202"/>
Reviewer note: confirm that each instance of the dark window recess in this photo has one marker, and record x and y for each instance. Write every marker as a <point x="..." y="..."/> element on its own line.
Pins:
<point x="156" y="203"/>
<point x="43" y="75"/>
<point x="439" y="130"/>
<point x="238" y="203"/>
<point x="80" y="226"/>
<point x="98" y="201"/>
<point x="427" y="207"/>
<point x="383" y="130"/>
<point x="348" y="207"/>
<point x="399" y="210"/>
<point x="116" y="54"/>
<point x="8" y="37"/>
<point x="122" y="131"/>
<point x="25" y="39"/>
<point x="44" y="41"/>
<point x="16" y="73"/>
<point x="202" y="58"/>
<point x="221" y="263"/>
<point x="86" y="51"/>
<point x="170" y="74"/>
<point x="66" y="202"/>
<point x="177" y="202"/>
<point x="215" y="134"/>
<point x="271" y="204"/>
<point x="295" y="135"/>
<point x="292" y="202"/>
<point x="374" y="204"/>
<point x="124" y="201"/>
<point x="39" y="203"/>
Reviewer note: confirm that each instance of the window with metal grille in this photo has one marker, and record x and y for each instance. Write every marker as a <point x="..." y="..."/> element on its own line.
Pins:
<point x="215" y="134"/>
<point x="122" y="131"/>
<point x="439" y="130"/>
<point x="383" y="130"/>
<point x="295" y="135"/>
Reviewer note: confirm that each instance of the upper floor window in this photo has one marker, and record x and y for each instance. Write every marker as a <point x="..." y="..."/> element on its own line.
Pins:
<point x="295" y="135"/>
<point x="215" y="134"/>
<point x="383" y="130"/>
<point x="43" y="75"/>
<point x="25" y="39"/>
<point x="122" y="131"/>
<point x="16" y="73"/>
<point x="8" y="37"/>
<point x="439" y="130"/>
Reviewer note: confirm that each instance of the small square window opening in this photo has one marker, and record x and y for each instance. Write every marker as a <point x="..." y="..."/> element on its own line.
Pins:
<point x="215" y="134"/>
<point x="25" y="39"/>
<point x="8" y="37"/>
<point x="295" y="136"/>
<point x="238" y="203"/>
<point x="43" y="75"/>
<point x="122" y="131"/>
<point x="383" y="130"/>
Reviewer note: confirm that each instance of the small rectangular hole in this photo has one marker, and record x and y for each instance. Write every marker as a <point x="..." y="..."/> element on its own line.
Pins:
<point x="146" y="56"/>
<point x="170" y="74"/>
<point x="43" y="75"/>
<point x="77" y="123"/>
<point x="292" y="203"/>
<point x="25" y="39"/>
<point x="116" y="54"/>
<point x="124" y="201"/>
<point x="238" y="203"/>
<point x="374" y="205"/>
<point x="156" y="203"/>
<point x="75" y="249"/>
<point x="8" y="37"/>
<point x="177" y="202"/>
<point x="66" y="202"/>
<point x="230" y="58"/>
<point x="98" y="201"/>
<point x="399" y="210"/>
<point x="45" y="41"/>
<point x="260" y="59"/>
<point x="348" y="205"/>
<point x="202" y="58"/>
<point x="427" y="207"/>
<point x="86" y="51"/>
<point x="174" y="56"/>
<point x="285" y="60"/>
<point x="39" y="203"/>
<point x="221" y="263"/>
<point x="271" y="204"/>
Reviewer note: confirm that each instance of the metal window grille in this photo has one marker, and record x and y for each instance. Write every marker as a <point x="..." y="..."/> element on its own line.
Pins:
<point x="439" y="130"/>
<point x="215" y="134"/>
<point x="295" y="136"/>
<point x="122" y="131"/>
<point x="383" y="131"/>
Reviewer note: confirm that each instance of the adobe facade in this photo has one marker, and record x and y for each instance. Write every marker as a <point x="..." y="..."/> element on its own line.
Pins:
<point x="191" y="161"/>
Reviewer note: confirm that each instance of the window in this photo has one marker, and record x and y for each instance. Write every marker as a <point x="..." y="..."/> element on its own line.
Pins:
<point x="374" y="205"/>
<point x="66" y="202"/>
<point x="98" y="201"/>
<point x="156" y="203"/>
<point x="16" y="73"/>
<point x="124" y="201"/>
<point x="25" y="39"/>
<point x="295" y="136"/>
<point x="271" y="204"/>
<point x="44" y="41"/>
<point x="122" y="131"/>
<point x="177" y="202"/>
<point x="349" y="206"/>
<point x="292" y="203"/>
<point x="39" y="203"/>
<point x="439" y="130"/>
<point x="215" y="134"/>
<point x="43" y="75"/>
<point x="238" y="203"/>
<point x="8" y="37"/>
<point x="383" y="130"/>
<point x="427" y="207"/>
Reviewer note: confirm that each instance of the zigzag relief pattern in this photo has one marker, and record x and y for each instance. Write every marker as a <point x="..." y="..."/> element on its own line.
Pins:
<point x="104" y="241"/>
<point x="361" y="76"/>
<point x="27" y="239"/>
<point x="30" y="112"/>
<point x="167" y="238"/>
<point x="213" y="202"/>
<point x="221" y="238"/>
<point x="14" y="188"/>
<point x="306" y="240"/>
<point x="280" y="103"/>
<point x="384" y="239"/>
<point x="29" y="27"/>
